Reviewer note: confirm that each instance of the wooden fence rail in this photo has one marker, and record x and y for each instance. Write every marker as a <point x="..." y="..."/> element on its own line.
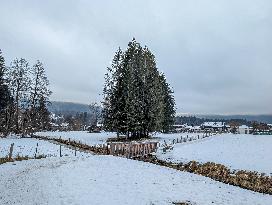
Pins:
<point x="132" y="149"/>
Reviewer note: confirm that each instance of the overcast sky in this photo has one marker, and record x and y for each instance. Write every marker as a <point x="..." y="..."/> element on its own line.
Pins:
<point x="216" y="54"/>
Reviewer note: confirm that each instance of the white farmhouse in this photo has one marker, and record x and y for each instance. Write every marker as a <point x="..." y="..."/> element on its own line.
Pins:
<point x="244" y="129"/>
<point x="214" y="126"/>
<point x="195" y="129"/>
<point x="179" y="128"/>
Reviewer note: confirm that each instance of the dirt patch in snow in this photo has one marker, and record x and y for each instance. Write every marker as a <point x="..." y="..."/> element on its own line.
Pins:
<point x="183" y="203"/>
<point x="18" y="158"/>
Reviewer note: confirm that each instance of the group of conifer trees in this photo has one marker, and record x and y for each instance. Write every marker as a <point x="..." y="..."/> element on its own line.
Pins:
<point x="24" y="95"/>
<point x="137" y="98"/>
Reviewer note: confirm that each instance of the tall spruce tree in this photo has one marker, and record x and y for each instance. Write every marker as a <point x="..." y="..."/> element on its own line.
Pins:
<point x="169" y="105"/>
<point x="43" y="115"/>
<point x="114" y="98"/>
<point x="5" y="98"/>
<point x="4" y="92"/>
<point x="137" y="99"/>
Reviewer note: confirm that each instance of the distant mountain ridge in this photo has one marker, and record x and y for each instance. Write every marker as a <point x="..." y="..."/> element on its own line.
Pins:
<point x="59" y="107"/>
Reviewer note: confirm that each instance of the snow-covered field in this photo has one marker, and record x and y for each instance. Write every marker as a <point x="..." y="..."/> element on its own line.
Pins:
<point x="100" y="138"/>
<point x="92" y="179"/>
<point x="112" y="180"/>
<point x="80" y="136"/>
<point x="249" y="152"/>
<point x="168" y="138"/>
<point x="27" y="147"/>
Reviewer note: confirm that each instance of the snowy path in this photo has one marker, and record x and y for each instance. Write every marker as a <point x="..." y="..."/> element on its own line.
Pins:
<point x="112" y="180"/>
<point x="249" y="152"/>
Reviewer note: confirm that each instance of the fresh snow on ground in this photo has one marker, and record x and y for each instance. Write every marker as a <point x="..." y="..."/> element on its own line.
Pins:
<point x="80" y="136"/>
<point x="27" y="147"/>
<point x="112" y="180"/>
<point x="101" y="138"/>
<point x="168" y="138"/>
<point x="249" y="152"/>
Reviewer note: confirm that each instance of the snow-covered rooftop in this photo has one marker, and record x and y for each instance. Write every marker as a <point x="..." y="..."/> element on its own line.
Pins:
<point x="213" y="124"/>
<point x="243" y="127"/>
<point x="196" y="128"/>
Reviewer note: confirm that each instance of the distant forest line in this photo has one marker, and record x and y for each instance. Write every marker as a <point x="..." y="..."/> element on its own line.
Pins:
<point x="70" y="108"/>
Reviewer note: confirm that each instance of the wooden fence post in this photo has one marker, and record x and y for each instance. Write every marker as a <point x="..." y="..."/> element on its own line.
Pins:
<point x="36" y="151"/>
<point x="133" y="150"/>
<point x="119" y="149"/>
<point x="127" y="150"/>
<point x="111" y="149"/>
<point x="130" y="150"/>
<point x="60" y="151"/>
<point x="11" y="151"/>
<point x="115" y="147"/>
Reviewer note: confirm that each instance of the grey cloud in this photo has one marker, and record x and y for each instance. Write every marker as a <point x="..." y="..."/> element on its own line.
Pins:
<point x="215" y="54"/>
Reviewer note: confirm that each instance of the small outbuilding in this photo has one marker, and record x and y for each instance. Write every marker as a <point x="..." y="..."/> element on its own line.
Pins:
<point x="244" y="129"/>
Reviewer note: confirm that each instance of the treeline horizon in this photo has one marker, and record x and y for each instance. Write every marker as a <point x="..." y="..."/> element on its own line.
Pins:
<point x="197" y="121"/>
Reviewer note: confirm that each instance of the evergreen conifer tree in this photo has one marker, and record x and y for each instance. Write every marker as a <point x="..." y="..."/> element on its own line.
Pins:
<point x="44" y="122"/>
<point x="169" y="106"/>
<point x="5" y="98"/>
<point x="4" y="91"/>
<point x="137" y="99"/>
